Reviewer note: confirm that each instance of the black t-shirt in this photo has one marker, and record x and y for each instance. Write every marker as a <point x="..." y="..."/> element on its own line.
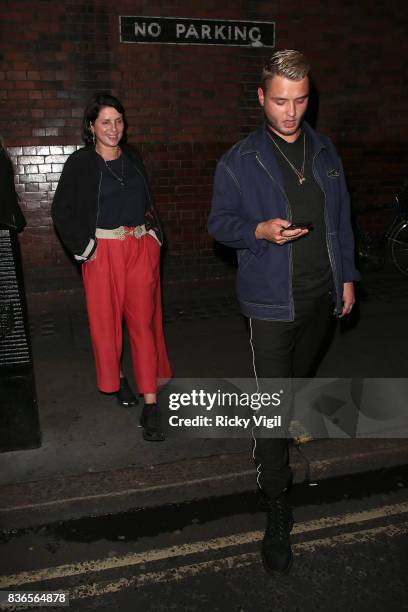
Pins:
<point x="312" y="275"/>
<point x="123" y="196"/>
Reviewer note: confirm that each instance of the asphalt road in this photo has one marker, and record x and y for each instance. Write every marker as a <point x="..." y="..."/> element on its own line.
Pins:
<point x="350" y="543"/>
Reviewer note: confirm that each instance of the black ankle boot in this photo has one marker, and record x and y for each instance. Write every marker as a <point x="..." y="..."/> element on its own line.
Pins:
<point x="125" y="395"/>
<point x="150" y="421"/>
<point x="277" y="554"/>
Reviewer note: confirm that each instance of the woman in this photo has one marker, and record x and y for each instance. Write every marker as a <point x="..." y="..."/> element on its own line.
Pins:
<point x="104" y="213"/>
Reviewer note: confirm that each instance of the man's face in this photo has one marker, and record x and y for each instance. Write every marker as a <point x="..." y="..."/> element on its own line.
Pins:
<point x="285" y="103"/>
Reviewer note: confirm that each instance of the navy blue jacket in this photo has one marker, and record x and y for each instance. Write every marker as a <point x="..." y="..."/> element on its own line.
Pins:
<point x="248" y="189"/>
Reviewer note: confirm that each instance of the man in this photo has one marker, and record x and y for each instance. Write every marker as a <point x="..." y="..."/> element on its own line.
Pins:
<point x="290" y="279"/>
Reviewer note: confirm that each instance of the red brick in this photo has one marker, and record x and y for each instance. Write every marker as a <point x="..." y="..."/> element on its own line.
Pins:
<point x="24" y="85"/>
<point x="16" y="75"/>
<point x="17" y="94"/>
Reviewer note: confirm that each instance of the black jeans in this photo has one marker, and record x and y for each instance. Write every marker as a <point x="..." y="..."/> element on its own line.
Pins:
<point x="286" y="349"/>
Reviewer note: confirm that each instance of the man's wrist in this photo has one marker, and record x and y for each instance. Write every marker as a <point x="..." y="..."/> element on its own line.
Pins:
<point x="259" y="231"/>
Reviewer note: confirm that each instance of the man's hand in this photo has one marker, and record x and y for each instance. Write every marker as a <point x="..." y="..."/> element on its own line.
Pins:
<point x="274" y="231"/>
<point x="348" y="299"/>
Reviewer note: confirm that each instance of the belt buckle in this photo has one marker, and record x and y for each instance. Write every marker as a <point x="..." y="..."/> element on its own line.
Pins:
<point x="139" y="231"/>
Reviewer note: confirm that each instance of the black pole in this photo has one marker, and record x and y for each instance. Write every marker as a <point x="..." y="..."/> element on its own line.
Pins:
<point x="19" y="422"/>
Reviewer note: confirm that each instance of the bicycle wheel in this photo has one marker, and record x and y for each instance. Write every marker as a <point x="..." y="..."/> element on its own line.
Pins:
<point x="398" y="242"/>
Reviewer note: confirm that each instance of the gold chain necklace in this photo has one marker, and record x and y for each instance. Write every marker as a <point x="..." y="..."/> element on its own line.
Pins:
<point x="299" y="173"/>
<point x="121" y="179"/>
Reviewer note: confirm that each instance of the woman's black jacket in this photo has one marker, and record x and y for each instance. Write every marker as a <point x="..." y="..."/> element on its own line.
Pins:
<point x="75" y="206"/>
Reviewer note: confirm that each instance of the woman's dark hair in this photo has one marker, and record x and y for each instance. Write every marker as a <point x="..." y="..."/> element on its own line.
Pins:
<point x="95" y="104"/>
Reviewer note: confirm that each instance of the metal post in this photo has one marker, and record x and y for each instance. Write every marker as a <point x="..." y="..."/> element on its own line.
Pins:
<point x="19" y="422"/>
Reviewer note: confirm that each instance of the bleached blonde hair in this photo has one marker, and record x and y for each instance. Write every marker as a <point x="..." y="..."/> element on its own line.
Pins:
<point x="288" y="63"/>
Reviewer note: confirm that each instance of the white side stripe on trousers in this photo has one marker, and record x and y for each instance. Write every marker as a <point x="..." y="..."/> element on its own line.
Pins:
<point x="258" y="467"/>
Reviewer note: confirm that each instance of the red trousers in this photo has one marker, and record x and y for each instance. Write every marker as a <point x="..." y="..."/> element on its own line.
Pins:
<point x="124" y="281"/>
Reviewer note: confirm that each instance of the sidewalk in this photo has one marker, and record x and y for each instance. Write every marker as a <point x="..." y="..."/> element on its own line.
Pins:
<point x="93" y="457"/>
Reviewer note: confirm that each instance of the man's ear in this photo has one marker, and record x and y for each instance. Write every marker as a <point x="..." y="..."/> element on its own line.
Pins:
<point x="261" y="96"/>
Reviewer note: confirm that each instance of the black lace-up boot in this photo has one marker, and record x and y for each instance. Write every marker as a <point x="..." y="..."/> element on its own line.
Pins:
<point x="277" y="554"/>
<point x="151" y="423"/>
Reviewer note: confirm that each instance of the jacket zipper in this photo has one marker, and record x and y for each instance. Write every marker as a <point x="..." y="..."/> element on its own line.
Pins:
<point x="289" y="216"/>
<point x="328" y="240"/>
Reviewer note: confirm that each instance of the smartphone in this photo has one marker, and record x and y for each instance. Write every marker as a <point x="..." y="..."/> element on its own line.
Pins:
<point x="299" y="225"/>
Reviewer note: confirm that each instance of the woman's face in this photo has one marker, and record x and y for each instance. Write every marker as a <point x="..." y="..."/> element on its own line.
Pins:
<point x="108" y="127"/>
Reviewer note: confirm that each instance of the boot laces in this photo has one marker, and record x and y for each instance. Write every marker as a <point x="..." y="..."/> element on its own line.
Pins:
<point x="278" y="520"/>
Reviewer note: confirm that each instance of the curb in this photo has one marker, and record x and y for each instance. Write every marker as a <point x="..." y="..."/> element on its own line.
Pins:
<point x="27" y="504"/>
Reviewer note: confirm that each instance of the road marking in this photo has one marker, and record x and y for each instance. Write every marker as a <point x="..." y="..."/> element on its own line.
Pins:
<point x="236" y="561"/>
<point x="133" y="559"/>
<point x="177" y="574"/>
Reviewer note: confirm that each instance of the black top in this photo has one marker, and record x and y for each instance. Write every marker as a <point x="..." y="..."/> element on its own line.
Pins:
<point x="123" y="198"/>
<point x="312" y="275"/>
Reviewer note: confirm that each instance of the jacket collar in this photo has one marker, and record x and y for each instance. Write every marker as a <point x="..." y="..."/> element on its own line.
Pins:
<point x="258" y="143"/>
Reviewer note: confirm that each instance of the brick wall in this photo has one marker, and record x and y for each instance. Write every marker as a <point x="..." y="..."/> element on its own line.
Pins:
<point x="186" y="105"/>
